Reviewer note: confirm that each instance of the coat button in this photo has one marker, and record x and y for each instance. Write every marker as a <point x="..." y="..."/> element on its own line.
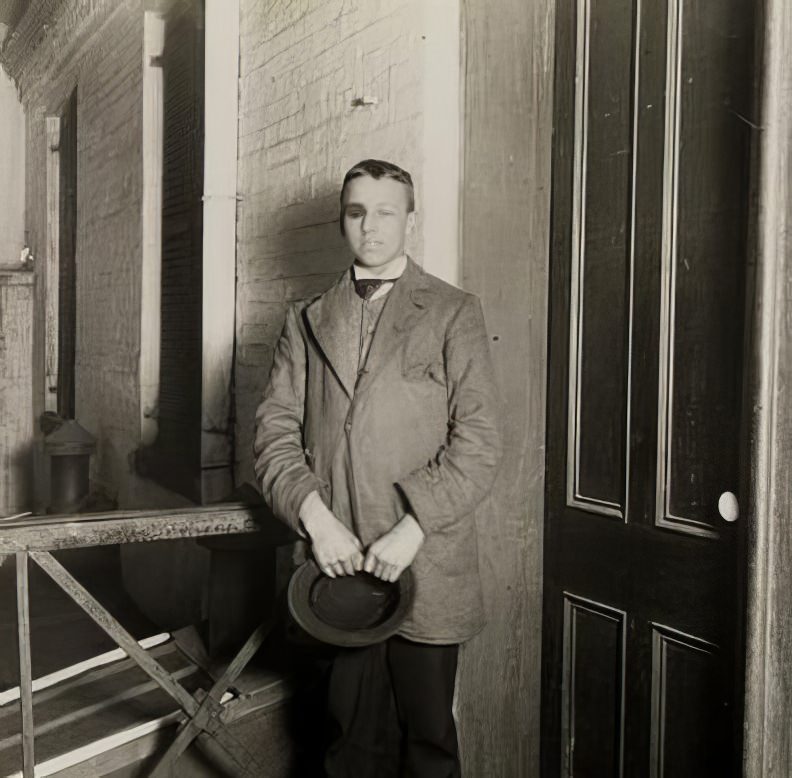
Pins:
<point x="348" y="425"/>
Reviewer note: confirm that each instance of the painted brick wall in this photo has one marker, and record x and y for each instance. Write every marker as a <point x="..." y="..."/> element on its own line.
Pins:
<point x="302" y="65"/>
<point x="96" y="47"/>
<point x="12" y="173"/>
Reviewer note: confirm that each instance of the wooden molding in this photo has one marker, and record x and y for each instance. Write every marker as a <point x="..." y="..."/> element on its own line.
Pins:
<point x="151" y="225"/>
<point x="219" y="246"/>
<point x="52" y="265"/>
<point x="768" y="680"/>
<point x="101" y="529"/>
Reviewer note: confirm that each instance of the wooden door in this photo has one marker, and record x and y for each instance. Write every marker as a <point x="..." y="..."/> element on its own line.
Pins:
<point x="642" y="593"/>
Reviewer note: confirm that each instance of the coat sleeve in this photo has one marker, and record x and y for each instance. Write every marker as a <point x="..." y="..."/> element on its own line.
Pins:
<point x="280" y="465"/>
<point x="462" y="472"/>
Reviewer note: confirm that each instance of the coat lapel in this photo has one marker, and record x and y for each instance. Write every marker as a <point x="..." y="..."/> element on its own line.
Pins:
<point x="408" y="302"/>
<point x="332" y="324"/>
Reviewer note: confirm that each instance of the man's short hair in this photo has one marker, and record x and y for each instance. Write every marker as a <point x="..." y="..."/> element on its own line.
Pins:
<point x="378" y="168"/>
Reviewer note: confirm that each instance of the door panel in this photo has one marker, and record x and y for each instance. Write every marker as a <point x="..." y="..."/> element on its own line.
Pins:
<point x="684" y="695"/>
<point x="593" y="687"/>
<point x="647" y="281"/>
<point x="600" y="233"/>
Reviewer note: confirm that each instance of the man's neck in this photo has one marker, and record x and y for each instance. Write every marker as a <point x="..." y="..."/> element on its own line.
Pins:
<point x="392" y="269"/>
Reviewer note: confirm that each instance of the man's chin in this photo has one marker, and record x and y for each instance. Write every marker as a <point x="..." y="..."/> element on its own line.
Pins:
<point x="371" y="258"/>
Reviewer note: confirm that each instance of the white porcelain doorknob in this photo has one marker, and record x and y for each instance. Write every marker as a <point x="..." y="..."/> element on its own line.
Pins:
<point x="728" y="507"/>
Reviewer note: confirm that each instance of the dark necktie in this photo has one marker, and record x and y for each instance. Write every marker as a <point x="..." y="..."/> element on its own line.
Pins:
<point x="365" y="287"/>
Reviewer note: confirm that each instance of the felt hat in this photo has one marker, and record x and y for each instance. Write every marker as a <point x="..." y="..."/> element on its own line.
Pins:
<point x="350" y="610"/>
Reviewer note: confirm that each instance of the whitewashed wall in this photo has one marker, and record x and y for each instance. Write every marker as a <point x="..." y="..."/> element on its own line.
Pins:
<point x="12" y="173"/>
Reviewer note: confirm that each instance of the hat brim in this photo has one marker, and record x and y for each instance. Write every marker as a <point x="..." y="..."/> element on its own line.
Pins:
<point x="299" y="598"/>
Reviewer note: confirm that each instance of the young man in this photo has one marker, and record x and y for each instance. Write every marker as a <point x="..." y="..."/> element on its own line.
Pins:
<point x="376" y="439"/>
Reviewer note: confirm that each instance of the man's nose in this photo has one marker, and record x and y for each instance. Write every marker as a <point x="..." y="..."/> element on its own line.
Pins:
<point x="369" y="223"/>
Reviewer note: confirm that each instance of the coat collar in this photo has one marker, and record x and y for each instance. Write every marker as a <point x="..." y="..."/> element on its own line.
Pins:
<point x="336" y="334"/>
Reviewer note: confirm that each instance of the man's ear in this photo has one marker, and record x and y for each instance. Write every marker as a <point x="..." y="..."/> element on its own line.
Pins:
<point x="410" y="228"/>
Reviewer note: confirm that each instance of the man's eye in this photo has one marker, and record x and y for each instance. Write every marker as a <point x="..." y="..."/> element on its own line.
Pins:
<point x="354" y="214"/>
<point x="386" y="213"/>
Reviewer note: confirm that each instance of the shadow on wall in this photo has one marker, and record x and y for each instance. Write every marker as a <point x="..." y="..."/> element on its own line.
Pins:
<point x="17" y="496"/>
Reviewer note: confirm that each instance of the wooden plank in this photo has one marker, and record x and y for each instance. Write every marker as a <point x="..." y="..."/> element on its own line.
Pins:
<point x="439" y="190"/>
<point x="51" y="686"/>
<point x="52" y="266"/>
<point x="768" y="680"/>
<point x="507" y="67"/>
<point x="260" y="699"/>
<point x="219" y="245"/>
<point x="64" y="674"/>
<point x="151" y="224"/>
<point x="106" y="621"/>
<point x="191" y="729"/>
<point x="111" y="754"/>
<point x="108" y="745"/>
<point x="240" y="661"/>
<point x="25" y="671"/>
<point x="57" y="533"/>
<point x="84" y="711"/>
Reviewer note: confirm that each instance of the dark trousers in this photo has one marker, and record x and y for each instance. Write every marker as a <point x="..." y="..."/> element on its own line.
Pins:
<point x="390" y="712"/>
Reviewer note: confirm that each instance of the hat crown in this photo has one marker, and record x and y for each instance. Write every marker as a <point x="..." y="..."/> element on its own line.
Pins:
<point x="352" y="610"/>
<point x="354" y="602"/>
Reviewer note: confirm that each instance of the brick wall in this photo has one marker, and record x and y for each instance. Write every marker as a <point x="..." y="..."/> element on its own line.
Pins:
<point x="96" y="47"/>
<point x="302" y="66"/>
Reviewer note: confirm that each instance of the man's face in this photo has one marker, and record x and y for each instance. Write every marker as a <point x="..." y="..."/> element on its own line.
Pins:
<point x="376" y="220"/>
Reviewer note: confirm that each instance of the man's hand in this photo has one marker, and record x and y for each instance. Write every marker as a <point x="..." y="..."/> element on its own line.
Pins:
<point x="336" y="549"/>
<point x="388" y="556"/>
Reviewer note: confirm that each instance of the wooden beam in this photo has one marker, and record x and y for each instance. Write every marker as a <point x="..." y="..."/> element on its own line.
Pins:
<point x="48" y="687"/>
<point x="56" y="533"/>
<point x="51" y="266"/>
<point x="219" y="246"/>
<point x="151" y="225"/>
<point x="112" y="752"/>
<point x="85" y="711"/>
<point x="439" y="193"/>
<point x="507" y="143"/>
<point x="60" y="677"/>
<point x="25" y="670"/>
<point x="192" y="729"/>
<point x="768" y="680"/>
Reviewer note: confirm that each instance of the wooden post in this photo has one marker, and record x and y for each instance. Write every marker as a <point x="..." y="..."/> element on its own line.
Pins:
<point x="508" y="114"/>
<point x="52" y="265"/>
<point x="151" y="224"/>
<point x="768" y="683"/>
<point x="219" y="246"/>
<point x="439" y="192"/>
<point x="25" y="671"/>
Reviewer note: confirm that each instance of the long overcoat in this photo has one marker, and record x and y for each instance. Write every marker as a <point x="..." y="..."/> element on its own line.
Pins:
<point x="420" y="422"/>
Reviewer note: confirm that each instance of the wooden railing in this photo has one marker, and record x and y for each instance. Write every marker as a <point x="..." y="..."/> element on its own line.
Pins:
<point x="36" y="538"/>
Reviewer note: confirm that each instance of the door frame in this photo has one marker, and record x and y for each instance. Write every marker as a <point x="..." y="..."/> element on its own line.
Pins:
<point x="768" y="660"/>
